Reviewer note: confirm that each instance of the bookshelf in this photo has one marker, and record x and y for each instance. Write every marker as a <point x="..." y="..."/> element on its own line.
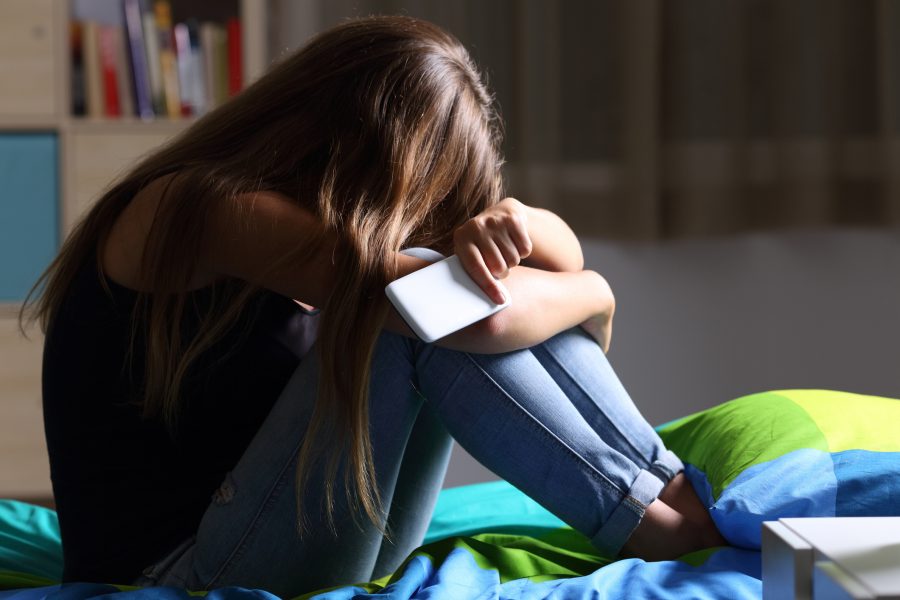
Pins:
<point x="53" y="164"/>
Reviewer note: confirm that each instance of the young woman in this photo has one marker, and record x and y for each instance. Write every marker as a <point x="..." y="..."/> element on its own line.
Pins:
<point x="194" y="437"/>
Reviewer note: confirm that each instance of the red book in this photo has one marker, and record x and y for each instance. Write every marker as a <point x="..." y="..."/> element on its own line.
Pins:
<point x="235" y="71"/>
<point x="108" y="71"/>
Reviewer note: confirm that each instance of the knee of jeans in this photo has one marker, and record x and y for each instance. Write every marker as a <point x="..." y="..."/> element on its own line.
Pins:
<point x="391" y="345"/>
<point x="224" y="494"/>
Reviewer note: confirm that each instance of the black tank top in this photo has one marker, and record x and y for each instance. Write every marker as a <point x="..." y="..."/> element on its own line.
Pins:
<point x="127" y="492"/>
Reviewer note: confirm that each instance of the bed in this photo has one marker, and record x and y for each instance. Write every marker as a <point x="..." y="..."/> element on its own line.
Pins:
<point x="789" y="453"/>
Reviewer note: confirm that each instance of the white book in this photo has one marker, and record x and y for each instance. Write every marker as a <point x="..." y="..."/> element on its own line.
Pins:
<point x="151" y="41"/>
<point x="208" y="44"/>
<point x="185" y="60"/>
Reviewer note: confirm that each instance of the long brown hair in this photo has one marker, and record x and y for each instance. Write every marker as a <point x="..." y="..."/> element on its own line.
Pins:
<point x="383" y="128"/>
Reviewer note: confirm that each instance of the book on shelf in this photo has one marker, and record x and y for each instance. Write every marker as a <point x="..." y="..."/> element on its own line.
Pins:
<point x="207" y="33"/>
<point x="123" y="72"/>
<point x="140" y="62"/>
<point x="137" y="54"/>
<point x="151" y="41"/>
<point x="214" y="46"/>
<point x="93" y="78"/>
<point x="108" y="67"/>
<point x="235" y="78"/>
<point x="168" y="67"/>
<point x="186" y="74"/>
<point x="220" y="55"/>
<point x="77" y="73"/>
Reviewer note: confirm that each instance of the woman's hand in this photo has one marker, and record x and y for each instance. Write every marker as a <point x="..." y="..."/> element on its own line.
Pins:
<point x="492" y="242"/>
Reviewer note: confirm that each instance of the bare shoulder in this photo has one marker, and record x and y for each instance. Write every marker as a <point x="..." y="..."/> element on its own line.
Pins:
<point x="272" y="241"/>
<point x="247" y="237"/>
<point x="123" y="250"/>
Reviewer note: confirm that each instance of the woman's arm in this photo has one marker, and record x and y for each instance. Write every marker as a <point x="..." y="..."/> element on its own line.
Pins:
<point x="250" y="239"/>
<point x="554" y="245"/>
<point x="246" y="243"/>
<point x="509" y="233"/>
<point x="544" y="303"/>
<point x="492" y="244"/>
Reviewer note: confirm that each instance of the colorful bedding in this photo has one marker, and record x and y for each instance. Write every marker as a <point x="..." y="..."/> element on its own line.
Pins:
<point x="788" y="453"/>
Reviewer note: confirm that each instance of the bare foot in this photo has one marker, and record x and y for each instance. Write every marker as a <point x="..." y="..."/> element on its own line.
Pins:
<point x="665" y="534"/>
<point x="680" y="495"/>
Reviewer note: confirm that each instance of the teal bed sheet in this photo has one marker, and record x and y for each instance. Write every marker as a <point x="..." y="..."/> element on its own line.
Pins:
<point x="534" y="556"/>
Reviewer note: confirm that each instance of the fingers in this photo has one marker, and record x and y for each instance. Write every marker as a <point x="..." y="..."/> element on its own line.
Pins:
<point x="473" y="262"/>
<point x="517" y="231"/>
<point x="500" y="255"/>
<point x="492" y="243"/>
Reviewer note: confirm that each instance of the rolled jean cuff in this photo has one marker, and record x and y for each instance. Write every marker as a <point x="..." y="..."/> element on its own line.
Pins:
<point x="626" y="516"/>
<point x="666" y="466"/>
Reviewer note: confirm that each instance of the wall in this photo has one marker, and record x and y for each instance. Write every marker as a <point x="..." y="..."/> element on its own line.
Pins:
<point x="700" y="322"/>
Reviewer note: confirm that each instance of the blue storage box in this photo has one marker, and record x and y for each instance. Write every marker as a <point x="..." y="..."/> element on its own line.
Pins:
<point x="28" y="210"/>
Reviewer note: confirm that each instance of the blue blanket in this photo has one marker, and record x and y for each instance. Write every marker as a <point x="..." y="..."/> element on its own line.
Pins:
<point x="531" y="555"/>
<point x="795" y="453"/>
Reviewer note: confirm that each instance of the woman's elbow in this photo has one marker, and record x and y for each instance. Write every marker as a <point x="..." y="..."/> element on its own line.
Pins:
<point x="494" y="327"/>
<point x="487" y="336"/>
<point x="491" y="335"/>
<point x="577" y="260"/>
<point x="506" y="331"/>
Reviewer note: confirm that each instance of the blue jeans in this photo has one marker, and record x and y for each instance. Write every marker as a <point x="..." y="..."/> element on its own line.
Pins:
<point x="553" y="420"/>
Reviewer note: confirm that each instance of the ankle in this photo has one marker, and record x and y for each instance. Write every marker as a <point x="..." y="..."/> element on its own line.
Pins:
<point x="663" y="534"/>
<point x="711" y="536"/>
<point x="680" y="495"/>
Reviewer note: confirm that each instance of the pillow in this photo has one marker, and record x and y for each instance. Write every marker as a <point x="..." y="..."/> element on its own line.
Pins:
<point x="793" y="453"/>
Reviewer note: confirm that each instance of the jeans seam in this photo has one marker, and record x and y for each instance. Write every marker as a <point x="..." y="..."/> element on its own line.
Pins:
<point x="535" y="422"/>
<point x="585" y="392"/>
<point x="634" y="502"/>
<point x="152" y="574"/>
<point x="662" y="471"/>
<point x="239" y="547"/>
<point x="662" y="468"/>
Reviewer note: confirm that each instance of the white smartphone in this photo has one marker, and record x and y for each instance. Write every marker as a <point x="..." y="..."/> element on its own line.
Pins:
<point x="441" y="298"/>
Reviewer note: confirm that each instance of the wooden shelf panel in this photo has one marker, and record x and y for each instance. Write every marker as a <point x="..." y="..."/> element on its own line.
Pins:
<point x="24" y="470"/>
<point x="126" y="126"/>
<point x="28" y="81"/>
<point x="19" y="123"/>
<point x="97" y="153"/>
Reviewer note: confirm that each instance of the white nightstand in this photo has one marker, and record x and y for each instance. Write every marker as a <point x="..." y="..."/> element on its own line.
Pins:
<point x="831" y="558"/>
